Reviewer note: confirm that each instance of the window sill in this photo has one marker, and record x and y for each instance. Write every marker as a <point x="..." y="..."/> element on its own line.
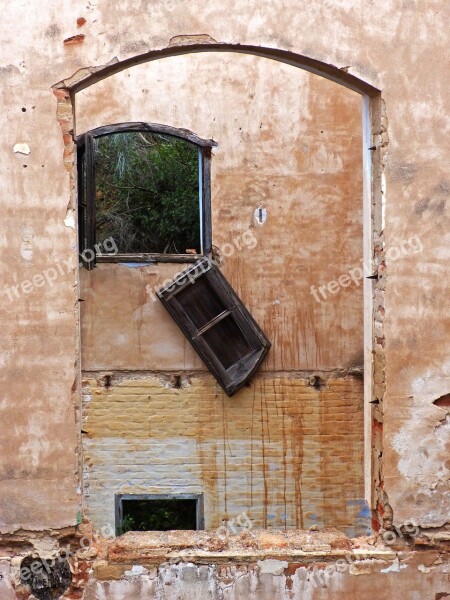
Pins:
<point x="147" y="258"/>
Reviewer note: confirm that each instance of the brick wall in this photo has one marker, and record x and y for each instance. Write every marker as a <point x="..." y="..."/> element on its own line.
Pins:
<point x="281" y="450"/>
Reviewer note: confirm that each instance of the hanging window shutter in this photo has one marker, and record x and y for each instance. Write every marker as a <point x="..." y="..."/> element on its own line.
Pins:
<point x="217" y="324"/>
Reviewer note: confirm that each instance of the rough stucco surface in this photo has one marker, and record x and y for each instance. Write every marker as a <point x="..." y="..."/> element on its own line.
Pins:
<point x="401" y="48"/>
<point x="288" y="141"/>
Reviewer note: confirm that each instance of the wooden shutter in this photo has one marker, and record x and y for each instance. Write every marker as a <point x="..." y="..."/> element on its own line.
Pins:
<point x="86" y="200"/>
<point x="217" y="324"/>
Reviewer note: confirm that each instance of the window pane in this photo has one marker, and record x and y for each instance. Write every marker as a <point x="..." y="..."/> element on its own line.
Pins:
<point x="201" y="302"/>
<point x="227" y="342"/>
<point x="147" y="193"/>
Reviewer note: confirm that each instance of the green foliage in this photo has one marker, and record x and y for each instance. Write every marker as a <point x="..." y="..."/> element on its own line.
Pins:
<point x="147" y="192"/>
<point x="127" y="525"/>
<point x="158" y="515"/>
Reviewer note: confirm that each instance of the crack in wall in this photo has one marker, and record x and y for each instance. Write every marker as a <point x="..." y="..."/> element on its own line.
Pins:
<point x="383" y="514"/>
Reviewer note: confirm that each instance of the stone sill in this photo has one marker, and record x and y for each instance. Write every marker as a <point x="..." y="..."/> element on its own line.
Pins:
<point x="152" y="548"/>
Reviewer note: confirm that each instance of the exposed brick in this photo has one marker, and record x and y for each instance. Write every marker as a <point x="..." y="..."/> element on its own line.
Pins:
<point x="293" y="457"/>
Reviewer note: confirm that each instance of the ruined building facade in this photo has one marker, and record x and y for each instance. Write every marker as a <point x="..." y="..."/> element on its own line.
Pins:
<point x="323" y="185"/>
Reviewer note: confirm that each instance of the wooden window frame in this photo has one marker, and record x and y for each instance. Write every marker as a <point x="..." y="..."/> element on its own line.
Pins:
<point x="230" y="378"/>
<point x="86" y="194"/>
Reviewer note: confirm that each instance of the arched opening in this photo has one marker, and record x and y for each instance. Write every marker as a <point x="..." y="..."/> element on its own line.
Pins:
<point x="106" y="97"/>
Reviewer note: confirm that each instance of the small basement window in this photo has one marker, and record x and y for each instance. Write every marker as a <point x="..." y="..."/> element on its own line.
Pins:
<point x="158" y="512"/>
<point x="217" y="324"/>
<point x="144" y="194"/>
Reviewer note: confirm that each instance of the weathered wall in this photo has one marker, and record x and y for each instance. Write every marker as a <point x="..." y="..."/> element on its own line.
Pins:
<point x="256" y="565"/>
<point x="259" y="565"/>
<point x="282" y="451"/>
<point x="254" y="582"/>
<point x="291" y="142"/>
<point x="398" y="47"/>
<point x="287" y="140"/>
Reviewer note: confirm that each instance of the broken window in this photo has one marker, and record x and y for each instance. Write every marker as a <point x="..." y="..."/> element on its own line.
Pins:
<point x="144" y="194"/>
<point x="217" y="324"/>
<point x="158" y="512"/>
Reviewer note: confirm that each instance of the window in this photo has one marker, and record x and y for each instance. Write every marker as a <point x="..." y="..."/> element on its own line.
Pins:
<point x="146" y="188"/>
<point x="158" y="512"/>
<point x="216" y="323"/>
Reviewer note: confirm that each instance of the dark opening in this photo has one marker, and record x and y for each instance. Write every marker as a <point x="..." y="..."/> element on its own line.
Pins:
<point x="158" y="514"/>
<point x="227" y="341"/>
<point x="443" y="401"/>
<point x="147" y="193"/>
<point x="202" y="301"/>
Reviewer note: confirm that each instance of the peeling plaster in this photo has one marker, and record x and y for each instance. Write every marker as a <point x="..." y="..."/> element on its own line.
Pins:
<point x="136" y="571"/>
<point x="69" y="220"/>
<point x="22" y="148"/>
<point x="272" y="566"/>
<point x="394" y="568"/>
<point x="432" y="383"/>
<point x="424" y="569"/>
<point x="422" y="444"/>
<point x="185" y="40"/>
<point x="81" y="74"/>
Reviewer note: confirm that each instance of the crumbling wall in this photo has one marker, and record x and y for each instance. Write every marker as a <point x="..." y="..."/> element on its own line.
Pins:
<point x="396" y="47"/>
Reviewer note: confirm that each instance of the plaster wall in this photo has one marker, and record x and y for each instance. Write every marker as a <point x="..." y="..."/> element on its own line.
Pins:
<point x="397" y="47"/>
<point x="288" y="141"/>
<point x="280" y="580"/>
